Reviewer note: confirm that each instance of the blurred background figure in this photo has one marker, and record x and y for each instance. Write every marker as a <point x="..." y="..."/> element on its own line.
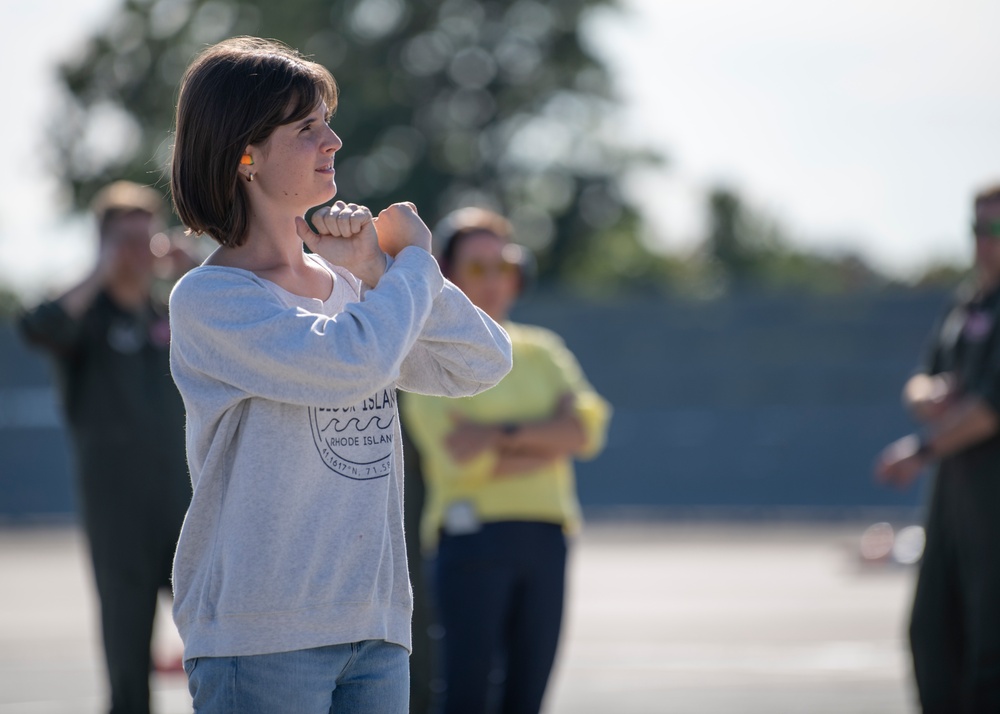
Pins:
<point x="955" y="624"/>
<point x="109" y="339"/>
<point x="500" y="491"/>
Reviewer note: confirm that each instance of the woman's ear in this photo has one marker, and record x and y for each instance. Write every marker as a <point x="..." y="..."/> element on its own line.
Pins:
<point x="246" y="168"/>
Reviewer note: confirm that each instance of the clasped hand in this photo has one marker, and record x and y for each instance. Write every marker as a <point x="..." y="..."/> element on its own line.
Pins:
<point x="900" y="462"/>
<point x="347" y="235"/>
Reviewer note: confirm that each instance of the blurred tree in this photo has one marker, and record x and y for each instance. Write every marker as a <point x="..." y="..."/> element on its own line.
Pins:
<point x="620" y="260"/>
<point x="10" y="303"/>
<point x="749" y="250"/>
<point x="443" y="102"/>
<point x="726" y="240"/>
<point x="738" y="239"/>
<point x="942" y="275"/>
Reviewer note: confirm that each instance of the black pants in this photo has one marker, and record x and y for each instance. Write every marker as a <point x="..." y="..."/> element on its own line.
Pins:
<point x="955" y="625"/>
<point x="499" y="595"/>
<point x="132" y="537"/>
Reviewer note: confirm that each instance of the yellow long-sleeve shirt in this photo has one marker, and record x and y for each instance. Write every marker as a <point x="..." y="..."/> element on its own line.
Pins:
<point x="544" y="370"/>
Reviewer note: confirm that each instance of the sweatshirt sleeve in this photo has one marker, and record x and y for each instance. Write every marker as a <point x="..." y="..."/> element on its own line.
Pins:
<point x="228" y="328"/>
<point x="460" y="352"/>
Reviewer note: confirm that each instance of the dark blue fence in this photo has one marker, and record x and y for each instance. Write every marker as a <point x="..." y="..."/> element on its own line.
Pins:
<point x="750" y="404"/>
<point x="753" y="404"/>
<point x="35" y="462"/>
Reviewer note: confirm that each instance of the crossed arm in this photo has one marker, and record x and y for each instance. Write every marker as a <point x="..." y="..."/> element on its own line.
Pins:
<point x="953" y="422"/>
<point x="521" y="447"/>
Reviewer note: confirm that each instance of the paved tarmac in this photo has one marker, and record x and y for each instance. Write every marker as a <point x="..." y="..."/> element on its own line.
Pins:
<point x="696" y="618"/>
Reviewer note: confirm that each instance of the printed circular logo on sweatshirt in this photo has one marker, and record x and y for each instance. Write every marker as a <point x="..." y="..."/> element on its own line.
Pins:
<point x="356" y="442"/>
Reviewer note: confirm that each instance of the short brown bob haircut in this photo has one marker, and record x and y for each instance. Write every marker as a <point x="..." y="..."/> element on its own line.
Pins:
<point x="234" y="94"/>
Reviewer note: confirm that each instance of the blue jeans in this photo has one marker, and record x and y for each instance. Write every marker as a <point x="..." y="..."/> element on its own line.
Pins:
<point x="357" y="678"/>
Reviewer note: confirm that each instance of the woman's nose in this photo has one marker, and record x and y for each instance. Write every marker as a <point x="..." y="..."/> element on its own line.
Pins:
<point x="333" y="143"/>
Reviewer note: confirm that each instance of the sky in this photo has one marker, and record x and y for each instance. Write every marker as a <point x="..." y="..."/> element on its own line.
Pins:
<point x="859" y="125"/>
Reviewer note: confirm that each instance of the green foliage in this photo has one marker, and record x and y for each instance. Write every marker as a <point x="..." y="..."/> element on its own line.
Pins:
<point x="743" y="250"/>
<point x="750" y="251"/>
<point x="443" y="102"/>
<point x="615" y="262"/>
<point x="733" y="238"/>
<point x="10" y="304"/>
<point x="941" y="275"/>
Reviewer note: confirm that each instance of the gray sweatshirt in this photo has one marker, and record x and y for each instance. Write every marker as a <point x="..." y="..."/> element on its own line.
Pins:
<point x="294" y="537"/>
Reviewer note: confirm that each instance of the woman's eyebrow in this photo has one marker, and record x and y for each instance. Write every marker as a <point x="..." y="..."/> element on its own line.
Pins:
<point x="317" y="115"/>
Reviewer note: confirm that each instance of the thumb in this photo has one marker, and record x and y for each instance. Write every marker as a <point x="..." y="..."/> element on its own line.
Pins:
<point x="306" y="234"/>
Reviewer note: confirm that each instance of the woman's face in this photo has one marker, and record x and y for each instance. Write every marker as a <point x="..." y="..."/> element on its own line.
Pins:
<point x="485" y="274"/>
<point x="293" y="168"/>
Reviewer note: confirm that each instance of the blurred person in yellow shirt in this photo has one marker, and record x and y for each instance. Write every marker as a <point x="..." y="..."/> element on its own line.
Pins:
<point x="500" y="488"/>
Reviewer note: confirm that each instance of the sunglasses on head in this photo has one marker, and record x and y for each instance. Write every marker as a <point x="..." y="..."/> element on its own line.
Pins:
<point x="986" y="229"/>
